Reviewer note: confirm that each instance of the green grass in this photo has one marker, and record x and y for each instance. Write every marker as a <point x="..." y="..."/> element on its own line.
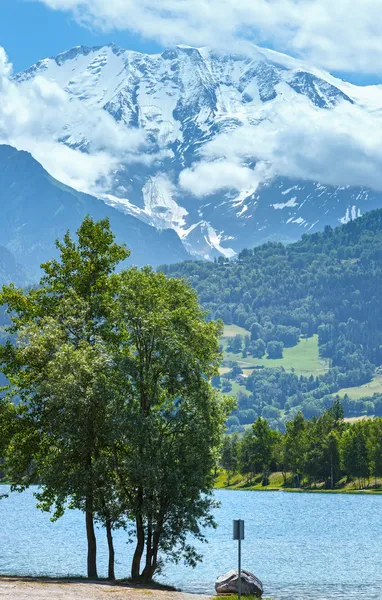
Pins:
<point x="363" y="391"/>
<point x="276" y="483"/>
<point x="238" y="482"/>
<point x="303" y="358"/>
<point x="235" y="597"/>
<point x="232" y="330"/>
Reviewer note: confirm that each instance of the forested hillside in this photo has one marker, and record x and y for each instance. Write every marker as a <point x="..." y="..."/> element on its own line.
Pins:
<point x="328" y="284"/>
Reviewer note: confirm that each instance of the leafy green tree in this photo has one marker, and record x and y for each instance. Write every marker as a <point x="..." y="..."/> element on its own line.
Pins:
<point x="296" y="445"/>
<point x="230" y="456"/>
<point x="7" y="428"/>
<point x="375" y="448"/>
<point x="264" y="440"/>
<point x="275" y="350"/>
<point x="61" y="372"/>
<point x="236" y="344"/>
<point x="246" y="456"/>
<point x="258" y="348"/>
<point x="174" y="419"/>
<point x="354" y="453"/>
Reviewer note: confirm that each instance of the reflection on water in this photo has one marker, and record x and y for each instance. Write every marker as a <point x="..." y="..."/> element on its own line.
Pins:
<point x="302" y="546"/>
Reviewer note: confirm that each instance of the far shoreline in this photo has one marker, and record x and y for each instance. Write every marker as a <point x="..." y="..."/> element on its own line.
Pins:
<point x="298" y="490"/>
<point x="238" y="483"/>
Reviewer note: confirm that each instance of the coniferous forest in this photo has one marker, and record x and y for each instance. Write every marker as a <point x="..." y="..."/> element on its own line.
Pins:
<point x="328" y="284"/>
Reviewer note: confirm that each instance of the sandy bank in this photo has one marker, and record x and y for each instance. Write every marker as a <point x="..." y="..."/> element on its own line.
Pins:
<point x="32" y="589"/>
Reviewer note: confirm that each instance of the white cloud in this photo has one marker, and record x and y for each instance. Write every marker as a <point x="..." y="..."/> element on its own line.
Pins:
<point x="205" y="178"/>
<point x="33" y="117"/>
<point x="337" y="147"/>
<point x="340" y="35"/>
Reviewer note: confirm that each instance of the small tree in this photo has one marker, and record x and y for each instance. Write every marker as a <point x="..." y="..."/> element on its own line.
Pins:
<point x="264" y="440"/>
<point x="296" y="445"/>
<point x="230" y="456"/>
<point x="236" y="344"/>
<point x="258" y="348"/>
<point x="275" y="350"/>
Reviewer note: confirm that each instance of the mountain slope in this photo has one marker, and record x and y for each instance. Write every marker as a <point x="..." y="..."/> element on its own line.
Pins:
<point x="184" y="100"/>
<point x="9" y="269"/>
<point x="327" y="284"/>
<point x="35" y="210"/>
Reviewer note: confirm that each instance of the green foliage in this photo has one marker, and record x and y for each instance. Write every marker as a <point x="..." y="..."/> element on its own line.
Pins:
<point x="116" y="415"/>
<point x="62" y="374"/>
<point x="316" y="452"/>
<point x="275" y="350"/>
<point x="328" y="284"/>
<point x="230" y="456"/>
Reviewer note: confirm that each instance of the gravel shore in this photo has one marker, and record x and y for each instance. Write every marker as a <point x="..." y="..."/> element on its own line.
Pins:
<point x="32" y="589"/>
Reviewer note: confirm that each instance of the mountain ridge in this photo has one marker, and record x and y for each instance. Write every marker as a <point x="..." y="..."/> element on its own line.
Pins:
<point x="35" y="210"/>
<point x="185" y="98"/>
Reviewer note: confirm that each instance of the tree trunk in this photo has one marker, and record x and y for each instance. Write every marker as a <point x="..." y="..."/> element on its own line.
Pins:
<point x="109" y="534"/>
<point x="149" y="550"/>
<point x="152" y="554"/>
<point x="136" y="564"/>
<point x="92" y="543"/>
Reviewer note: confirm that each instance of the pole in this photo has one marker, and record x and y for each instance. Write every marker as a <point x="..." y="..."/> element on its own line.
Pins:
<point x="239" y="569"/>
<point x="238" y="534"/>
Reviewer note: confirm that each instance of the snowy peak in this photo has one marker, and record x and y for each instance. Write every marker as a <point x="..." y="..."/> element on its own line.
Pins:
<point x="182" y="102"/>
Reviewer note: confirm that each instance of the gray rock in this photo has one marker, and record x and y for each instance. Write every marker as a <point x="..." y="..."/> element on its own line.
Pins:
<point x="250" y="585"/>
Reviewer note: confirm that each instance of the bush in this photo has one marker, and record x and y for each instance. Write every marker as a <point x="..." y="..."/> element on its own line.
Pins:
<point x="275" y="350"/>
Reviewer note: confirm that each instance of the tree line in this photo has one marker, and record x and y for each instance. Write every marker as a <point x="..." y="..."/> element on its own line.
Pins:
<point x="109" y="407"/>
<point x="324" y="450"/>
<point x="278" y="395"/>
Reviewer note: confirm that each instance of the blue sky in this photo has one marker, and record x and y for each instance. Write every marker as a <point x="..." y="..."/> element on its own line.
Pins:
<point x="30" y="30"/>
<point x="337" y="147"/>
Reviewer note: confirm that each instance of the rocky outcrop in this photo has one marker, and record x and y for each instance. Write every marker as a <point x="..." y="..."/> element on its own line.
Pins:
<point x="250" y="585"/>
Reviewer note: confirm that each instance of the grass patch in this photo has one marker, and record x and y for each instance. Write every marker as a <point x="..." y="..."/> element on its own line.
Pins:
<point x="235" y="597"/>
<point x="232" y="330"/>
<point x="363" y="391"/>
<point x="224" y="370"/>
<point x="238" y="482"/>
<point x="276" y="483"/>
<point x="304" y="359"/>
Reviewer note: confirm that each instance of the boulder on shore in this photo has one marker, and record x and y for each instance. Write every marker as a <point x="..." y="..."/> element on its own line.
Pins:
<point x="229" y="584"/>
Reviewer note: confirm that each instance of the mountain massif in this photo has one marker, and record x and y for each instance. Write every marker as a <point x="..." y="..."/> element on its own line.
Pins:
<point x="35" y="210"/>
<point x="184" y="100"/>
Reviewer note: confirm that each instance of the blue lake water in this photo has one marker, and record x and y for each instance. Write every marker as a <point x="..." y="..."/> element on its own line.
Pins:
<point x="302" y="546"/>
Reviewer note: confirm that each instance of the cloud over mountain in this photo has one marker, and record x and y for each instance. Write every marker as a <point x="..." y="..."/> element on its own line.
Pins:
<point x="227" y="149"/>
<point x="34" y="117"/>
<point x="340" y="147"/>
<point x="342" y="35"/>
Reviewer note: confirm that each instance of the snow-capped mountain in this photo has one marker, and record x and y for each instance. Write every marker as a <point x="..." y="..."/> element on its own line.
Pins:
<point x="184" y="100"/>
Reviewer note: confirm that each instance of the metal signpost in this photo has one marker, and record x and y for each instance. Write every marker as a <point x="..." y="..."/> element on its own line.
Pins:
<point x="238" y="534"/>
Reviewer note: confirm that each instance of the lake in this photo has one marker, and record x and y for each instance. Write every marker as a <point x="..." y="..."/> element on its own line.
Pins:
<point x="302" y="546"/>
